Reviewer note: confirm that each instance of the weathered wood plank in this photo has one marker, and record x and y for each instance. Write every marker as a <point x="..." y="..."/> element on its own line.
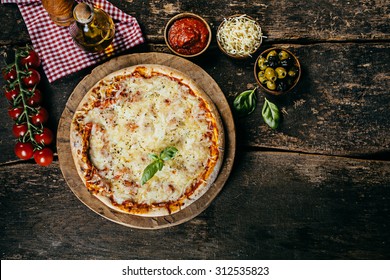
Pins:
<point x="281" y="20"/>
<point x="295" y="206"/>
<point x="340" y="107"/>
<point x="13" y="28"/>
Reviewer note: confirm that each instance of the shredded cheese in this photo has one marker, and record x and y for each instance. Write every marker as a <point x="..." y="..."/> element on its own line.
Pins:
<point x="240" y="36"/>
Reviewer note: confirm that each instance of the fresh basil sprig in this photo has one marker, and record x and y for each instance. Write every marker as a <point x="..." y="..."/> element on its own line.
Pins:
<point x="270" y="114"/>
<point x="245" y="102"/>
<point x="158" y="163"/>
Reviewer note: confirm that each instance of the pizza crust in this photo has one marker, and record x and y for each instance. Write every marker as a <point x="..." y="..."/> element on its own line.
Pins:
<point x="82" y="164"/>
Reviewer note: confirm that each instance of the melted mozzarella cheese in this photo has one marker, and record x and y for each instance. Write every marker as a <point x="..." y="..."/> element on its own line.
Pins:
<point x="148" y="116"/>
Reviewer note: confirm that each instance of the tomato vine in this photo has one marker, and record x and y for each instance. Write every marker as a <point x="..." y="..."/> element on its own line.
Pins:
<point x="22" y="79"/>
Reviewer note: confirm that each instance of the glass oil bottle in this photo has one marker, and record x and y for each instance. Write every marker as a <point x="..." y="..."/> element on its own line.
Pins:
<point x="93" y="29"/>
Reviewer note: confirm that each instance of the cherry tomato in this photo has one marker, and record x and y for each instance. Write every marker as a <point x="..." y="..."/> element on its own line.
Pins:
<point x="36" y="97"/>
<point x="11" y="94"/>
<point x="19" y="130"/>
<point x="15" y="112"/>
<point x="31" y="60"/>
<point x="9" y="73"/>
<point x="32" y="79"/>
<point x="43" y="157"/>
<point x="24" y="150"/>
<point x="41" y="117"/>
<point x="45" y="138"/>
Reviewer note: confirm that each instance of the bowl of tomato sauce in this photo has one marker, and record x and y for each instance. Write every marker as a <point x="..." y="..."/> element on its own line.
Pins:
<point x="187" y="35"/>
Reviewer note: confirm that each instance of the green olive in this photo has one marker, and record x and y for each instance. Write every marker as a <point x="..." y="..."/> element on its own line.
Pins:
<point x="261" y="77"/>
<point x="261" y="74"/>
<point x="263" y="67"/>
<point x="292" y="72"/>
<point x="281" y="72"/>
<point x="272" y="53"/>
<point x="271" y="85"/>
<point x="263" y="80"/>
<point x="283" y="55"/>
<point x="261" y="61"/>
<point x="270" y="74"/>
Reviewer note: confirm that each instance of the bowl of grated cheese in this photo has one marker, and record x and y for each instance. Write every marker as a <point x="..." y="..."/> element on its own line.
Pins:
<point x="239" y="36"/>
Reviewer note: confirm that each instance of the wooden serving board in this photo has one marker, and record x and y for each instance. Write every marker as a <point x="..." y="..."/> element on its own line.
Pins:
<point x="68" y="168"/>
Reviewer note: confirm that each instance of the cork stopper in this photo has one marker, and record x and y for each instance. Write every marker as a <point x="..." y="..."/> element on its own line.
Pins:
<point x="83" y="13"/>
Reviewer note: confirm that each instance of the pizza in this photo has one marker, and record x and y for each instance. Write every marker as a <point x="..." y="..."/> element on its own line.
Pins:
<point x="130" y="120"/>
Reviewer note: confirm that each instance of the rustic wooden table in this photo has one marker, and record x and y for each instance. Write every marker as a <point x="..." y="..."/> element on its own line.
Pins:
<point x="316" y="188"/>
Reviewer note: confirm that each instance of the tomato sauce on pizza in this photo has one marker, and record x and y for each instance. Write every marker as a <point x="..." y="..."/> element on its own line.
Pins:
<point x="137" y="112"/>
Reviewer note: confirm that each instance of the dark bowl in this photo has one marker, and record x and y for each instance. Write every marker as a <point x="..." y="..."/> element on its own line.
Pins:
<point x="293" y="80"/>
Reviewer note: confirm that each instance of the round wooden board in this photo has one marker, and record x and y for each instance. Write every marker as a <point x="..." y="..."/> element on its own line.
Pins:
<point x="68" y="168"/>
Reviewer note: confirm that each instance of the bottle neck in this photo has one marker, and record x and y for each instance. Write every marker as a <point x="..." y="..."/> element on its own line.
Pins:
<point x="83" y="13"/>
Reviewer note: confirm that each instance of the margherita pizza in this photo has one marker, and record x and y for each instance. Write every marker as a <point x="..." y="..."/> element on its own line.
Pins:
<point x="127" y="120"/>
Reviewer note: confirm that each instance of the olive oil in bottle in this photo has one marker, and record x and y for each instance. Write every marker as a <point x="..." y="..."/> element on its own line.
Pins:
<point x="93" y="30"/>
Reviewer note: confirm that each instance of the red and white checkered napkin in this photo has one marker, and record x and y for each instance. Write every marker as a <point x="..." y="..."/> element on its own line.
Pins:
<point x="59" y="55"/>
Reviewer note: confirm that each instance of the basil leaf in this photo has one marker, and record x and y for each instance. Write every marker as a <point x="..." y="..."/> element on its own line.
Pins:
<point x="158" y="163"/>
<point x="151" y="169"/>
<point x="245" y="102"/>
<point x="168" y="153"/>
<point x="153" y="157"/>
<point x="270" y="114"/>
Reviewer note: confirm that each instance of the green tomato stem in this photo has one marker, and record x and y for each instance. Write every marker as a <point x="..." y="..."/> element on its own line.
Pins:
<point x="29" y="136"/>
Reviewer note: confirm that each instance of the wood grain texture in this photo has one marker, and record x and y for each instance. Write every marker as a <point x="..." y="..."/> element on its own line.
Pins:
<point x="222" y="112"/>
<point x="295" y="206"/>
<point x="309" y="199"/>
<point x="281" y="21"/>
<point x="339" y="107"/>
<point x="15" y="33"/>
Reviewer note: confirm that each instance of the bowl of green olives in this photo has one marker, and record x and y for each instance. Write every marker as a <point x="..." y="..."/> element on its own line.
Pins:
<point x="277" y="71"/>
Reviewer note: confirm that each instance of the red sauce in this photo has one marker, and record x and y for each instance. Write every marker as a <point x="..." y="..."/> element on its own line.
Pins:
<point x="188" y="36"/>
